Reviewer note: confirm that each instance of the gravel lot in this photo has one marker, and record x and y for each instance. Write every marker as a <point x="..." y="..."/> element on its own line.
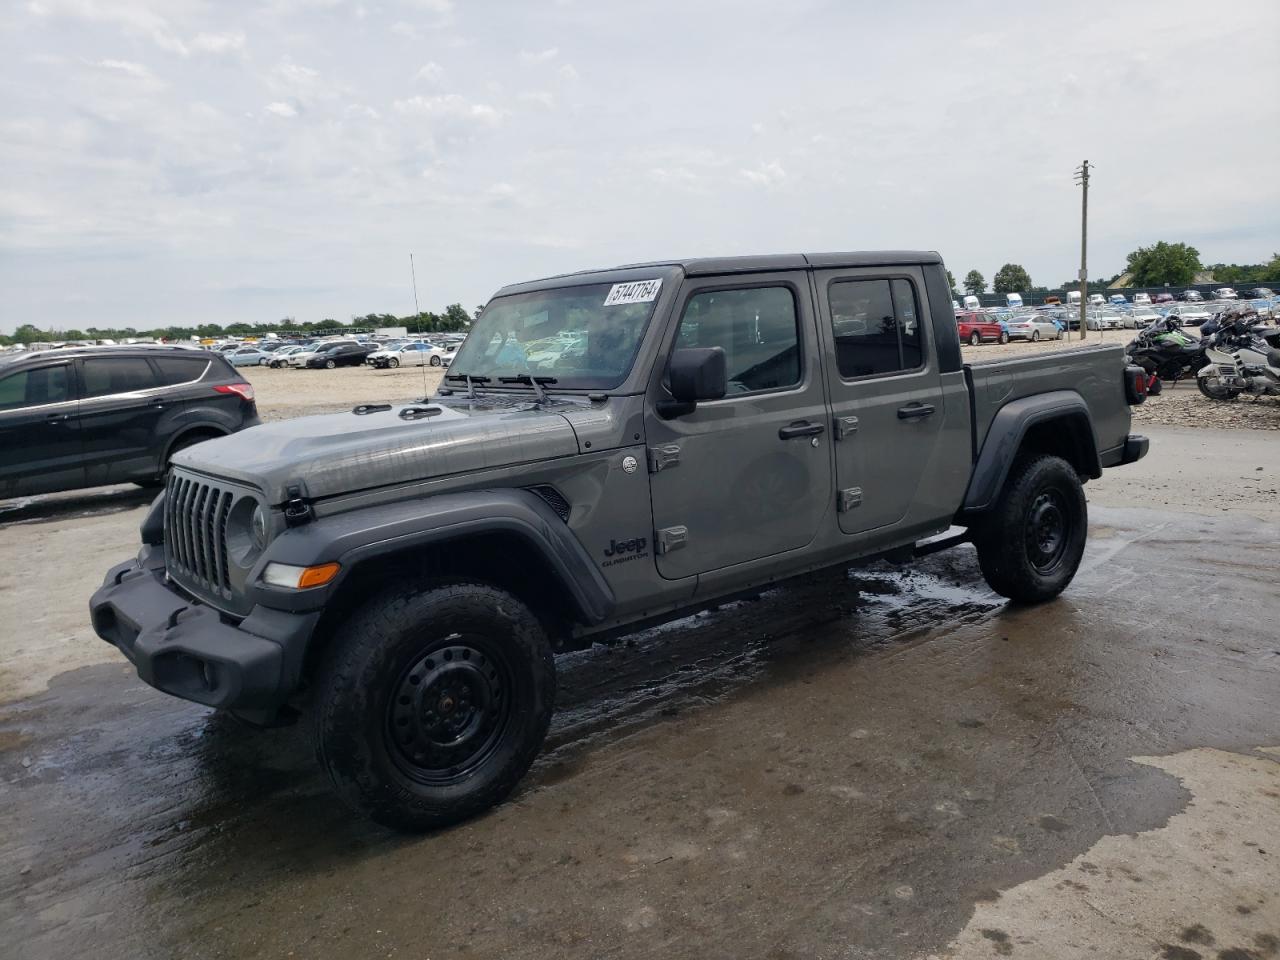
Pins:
<point x="1179" y="405"/>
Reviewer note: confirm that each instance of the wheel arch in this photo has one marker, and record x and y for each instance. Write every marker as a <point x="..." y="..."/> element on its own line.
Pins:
<point x="1055" y="423"/>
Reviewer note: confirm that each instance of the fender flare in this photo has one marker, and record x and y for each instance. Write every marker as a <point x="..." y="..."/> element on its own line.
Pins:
<point x="359" y="536"/>
<point x="1008" y="429"/>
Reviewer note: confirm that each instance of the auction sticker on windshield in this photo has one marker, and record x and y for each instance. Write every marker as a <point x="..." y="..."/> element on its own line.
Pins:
<point x="638" y="291"/>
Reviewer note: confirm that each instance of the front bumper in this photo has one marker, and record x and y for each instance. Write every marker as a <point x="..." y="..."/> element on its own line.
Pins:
<point x="188" y="649"/>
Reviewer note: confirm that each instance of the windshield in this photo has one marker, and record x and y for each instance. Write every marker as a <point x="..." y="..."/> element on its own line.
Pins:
<point x="583" y="337"/>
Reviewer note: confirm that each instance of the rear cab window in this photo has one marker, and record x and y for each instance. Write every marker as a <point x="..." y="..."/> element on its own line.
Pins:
<point x="876" y="326"/>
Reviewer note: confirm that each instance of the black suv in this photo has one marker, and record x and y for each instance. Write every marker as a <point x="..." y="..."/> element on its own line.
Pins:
<point x="341" y="355"/>
<point x="85" y="417"/>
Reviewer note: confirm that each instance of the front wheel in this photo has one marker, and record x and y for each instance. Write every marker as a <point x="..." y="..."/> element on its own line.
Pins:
<point x="393" y="363"/>
<point x="433" y="703"/>
<point x="1030" y="544"/>
<point x="329" y="364"/>
<point x="1215" y="390"/>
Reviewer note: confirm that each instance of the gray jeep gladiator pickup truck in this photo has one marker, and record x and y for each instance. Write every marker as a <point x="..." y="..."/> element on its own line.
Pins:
<point x="610" y="448"/>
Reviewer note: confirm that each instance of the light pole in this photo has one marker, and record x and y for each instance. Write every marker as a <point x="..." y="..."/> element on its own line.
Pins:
<point x="1082" y="178"/>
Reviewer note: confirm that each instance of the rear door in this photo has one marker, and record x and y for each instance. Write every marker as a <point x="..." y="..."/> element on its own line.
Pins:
<point x="748" y="476"/>
<point x="120" y="408"/>
<point x="886" y="394"/>
<point x="39" y="431"/>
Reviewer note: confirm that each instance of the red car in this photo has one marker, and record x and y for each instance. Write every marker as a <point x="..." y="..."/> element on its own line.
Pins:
<point x="1162" y="298"/>
<point x="976" y="328"/>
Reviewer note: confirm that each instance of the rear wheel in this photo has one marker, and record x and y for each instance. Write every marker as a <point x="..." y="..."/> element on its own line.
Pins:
<point x="1215" y="391"/>
<point x="1035" y="335"/>
<point x="433" y="703"/>
<point x="435" y="361"/>
<point x="975" y="339"/>
<point x="190" y="440"/>
<point x="1030" y="544"/>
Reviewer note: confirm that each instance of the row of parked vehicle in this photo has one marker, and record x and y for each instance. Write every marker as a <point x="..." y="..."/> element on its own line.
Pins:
<point x="345" y="352"/>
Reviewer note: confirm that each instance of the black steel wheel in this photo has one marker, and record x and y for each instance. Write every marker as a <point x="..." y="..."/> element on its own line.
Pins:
<point x="1031" y="541"/>
<point x="432" y="702"/>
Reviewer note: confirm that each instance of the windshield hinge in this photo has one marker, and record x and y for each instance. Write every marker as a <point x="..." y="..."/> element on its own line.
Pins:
<point x="296" y="510"/>
<point x="667" y="455"/>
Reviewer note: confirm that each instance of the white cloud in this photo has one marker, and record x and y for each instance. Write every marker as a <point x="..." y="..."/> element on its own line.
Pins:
<point x="568" y="72"/>
<point x="219" y="44"/>
<point x="449" y="105"/>
<point x="131" y="16"/>
<point x="402" y="28"/>
<point x="763" y="174"/>
<point x="542" y="97"/>
<point x="539" y="56"/>
<point x="126" y="66"/>
<point x="282" y="109"/>
<point x="430" y="72"/>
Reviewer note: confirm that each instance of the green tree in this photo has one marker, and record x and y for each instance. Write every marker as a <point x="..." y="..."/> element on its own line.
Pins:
<point x="1011" y="278"/>
<point x="975" y="282"/>
<point x="951" y="284"/>
<point x="1172" y="263"/>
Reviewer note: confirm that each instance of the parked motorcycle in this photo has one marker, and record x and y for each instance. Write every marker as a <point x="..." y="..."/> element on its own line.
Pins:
<point x="1166" y="353"/>
<point x="1241" y="357"/>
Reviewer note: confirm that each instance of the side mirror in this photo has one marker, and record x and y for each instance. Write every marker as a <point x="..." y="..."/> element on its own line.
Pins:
<point x="695" y="374"/>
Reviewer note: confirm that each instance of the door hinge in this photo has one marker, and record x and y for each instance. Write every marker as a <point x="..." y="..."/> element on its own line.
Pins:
<point x="667" y="455"/>
<point x="671" y="538"/>
<point x="845" y="426"/>
<point x="848" y="499"/>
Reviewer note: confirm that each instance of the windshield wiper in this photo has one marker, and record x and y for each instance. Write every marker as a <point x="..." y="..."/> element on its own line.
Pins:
<point x="471" y="381"/>
<point x="528" y="381"/>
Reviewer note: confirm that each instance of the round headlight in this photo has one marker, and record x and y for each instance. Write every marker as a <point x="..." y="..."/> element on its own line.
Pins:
<point x="259" y="527"/>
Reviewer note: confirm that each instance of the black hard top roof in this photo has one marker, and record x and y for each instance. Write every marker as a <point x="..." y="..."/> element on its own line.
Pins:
<point x="704" y="266"/>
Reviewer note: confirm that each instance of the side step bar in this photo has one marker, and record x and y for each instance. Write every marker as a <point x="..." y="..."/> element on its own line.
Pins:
<point x="952" y="537"/>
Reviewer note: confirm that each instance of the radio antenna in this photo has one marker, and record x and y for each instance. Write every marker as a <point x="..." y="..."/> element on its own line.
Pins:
<point x="417" y="315"/>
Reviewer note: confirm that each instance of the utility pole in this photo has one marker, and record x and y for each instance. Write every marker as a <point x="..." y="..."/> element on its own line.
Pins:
<point x="1082" y="178"/>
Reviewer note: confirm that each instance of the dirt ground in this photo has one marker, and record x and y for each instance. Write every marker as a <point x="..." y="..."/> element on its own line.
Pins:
<point x="889" y="764"/>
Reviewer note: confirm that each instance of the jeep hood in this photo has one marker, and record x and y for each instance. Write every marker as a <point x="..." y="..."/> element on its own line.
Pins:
<point x="340" y="453"/>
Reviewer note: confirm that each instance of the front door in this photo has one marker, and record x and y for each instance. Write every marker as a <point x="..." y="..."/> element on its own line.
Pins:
<point x="748" y="476"/>
<point x="886" y="394"/>
<point x="39" y="431"/>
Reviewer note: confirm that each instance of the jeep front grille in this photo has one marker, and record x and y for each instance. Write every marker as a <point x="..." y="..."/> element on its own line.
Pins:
<point x="195" y="524"/>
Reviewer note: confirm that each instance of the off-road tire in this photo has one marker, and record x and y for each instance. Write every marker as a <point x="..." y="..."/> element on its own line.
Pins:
<point x="365" y="734"/>
<point x="1042" y="494"/>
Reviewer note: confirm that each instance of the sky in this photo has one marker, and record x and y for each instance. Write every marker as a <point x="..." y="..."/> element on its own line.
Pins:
<point x="183" y="162"/>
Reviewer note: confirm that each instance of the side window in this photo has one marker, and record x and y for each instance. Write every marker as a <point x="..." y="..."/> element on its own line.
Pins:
<point x="107" y="375"/>
<point x="758" y="330"/>
<point x="32" y="388"/>
<point x="876" y="327"/>
<point x="179" y="369"/>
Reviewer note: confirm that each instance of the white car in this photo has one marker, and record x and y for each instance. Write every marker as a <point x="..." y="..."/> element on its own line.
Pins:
<point x="1104" y="320"/>
<point x="1032" y="327"/>
<point x="1097" y="300"/>
<point x="409" y="355"/>
<point x="1226" y="293"/>
<point x="1140" y="317"/>
<point x="280" y="358"/>
<point x="1143" y="299"/>
<point x="1189" y="314"/>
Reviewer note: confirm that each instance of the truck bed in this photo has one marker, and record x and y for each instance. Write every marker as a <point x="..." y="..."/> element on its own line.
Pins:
<point x="1094" y="372"/>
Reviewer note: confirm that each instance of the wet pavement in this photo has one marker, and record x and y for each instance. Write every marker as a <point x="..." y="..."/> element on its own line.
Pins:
<point x="846" y="768"/>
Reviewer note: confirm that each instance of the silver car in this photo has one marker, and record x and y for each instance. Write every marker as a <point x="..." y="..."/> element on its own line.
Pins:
<point x="1032" y="326"/>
